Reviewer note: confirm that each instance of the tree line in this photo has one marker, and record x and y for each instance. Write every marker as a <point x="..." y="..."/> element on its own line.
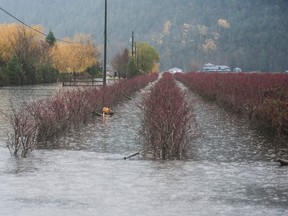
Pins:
<point x="27" y="57"/>
<point x="24" y="57"/>
<point x="186" y="33"/>
<point x="144" y="61"/>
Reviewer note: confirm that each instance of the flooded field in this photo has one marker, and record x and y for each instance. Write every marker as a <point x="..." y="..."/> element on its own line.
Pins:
<point x="231" y="169"/>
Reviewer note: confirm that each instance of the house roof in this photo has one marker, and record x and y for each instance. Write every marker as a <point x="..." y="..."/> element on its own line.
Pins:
<point x="175" y="69"/>
<point x="209" y="65"/>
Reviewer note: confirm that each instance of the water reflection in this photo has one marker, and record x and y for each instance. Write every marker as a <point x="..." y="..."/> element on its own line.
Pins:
<point x="73" y="182"/>
<point x="230" y="138"/>
<point x="19" y="96"/>
<point x="111" y="134"/>
<point x="21" y="166"/>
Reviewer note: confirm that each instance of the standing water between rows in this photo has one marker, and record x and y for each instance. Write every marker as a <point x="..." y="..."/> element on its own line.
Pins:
<point x="231" y="169"/>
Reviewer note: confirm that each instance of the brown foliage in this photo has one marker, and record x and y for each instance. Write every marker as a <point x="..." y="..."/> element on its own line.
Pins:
<point x="75" y="55"/>
<point x="20" y="41"/>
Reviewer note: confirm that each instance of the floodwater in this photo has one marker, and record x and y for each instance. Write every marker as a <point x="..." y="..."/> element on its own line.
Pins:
<point x="231" y="169"/>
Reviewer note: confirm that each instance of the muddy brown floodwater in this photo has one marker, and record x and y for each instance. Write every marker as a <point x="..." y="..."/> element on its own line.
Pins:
<point x="231" y="169"/>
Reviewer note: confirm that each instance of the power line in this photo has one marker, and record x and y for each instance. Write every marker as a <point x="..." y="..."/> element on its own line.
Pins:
<point x="30" y="27"/>
<point x="22" y="22"/>
<point x="91" y="20"/>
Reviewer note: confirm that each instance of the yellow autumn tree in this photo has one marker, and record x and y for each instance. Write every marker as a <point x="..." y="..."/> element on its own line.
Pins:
<point x="167" y="27"/>
<point x="156" y="68"/>
<point x="75" y="55"/>
<point x="17" y="38"/>
<point x="223" y="23"/>
<point x="209" y="45"/>
<point x="5" y="48"/>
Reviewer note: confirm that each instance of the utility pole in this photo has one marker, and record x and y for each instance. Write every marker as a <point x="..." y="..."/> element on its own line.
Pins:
<point x="105" y="44"/>
<point x="132" y="44"/>
<point x="136" y="56"/>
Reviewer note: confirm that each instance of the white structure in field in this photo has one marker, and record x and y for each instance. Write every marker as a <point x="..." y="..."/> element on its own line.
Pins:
<point x="237" y="69"/>
<point x="215" y="68"/>
<point x="175" y="70"/>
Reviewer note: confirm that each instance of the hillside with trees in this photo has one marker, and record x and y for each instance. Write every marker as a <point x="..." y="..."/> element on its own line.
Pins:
<point x="186" y="33"/>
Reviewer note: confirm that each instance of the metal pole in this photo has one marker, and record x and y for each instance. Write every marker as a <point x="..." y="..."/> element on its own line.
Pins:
<point x="136" y="56"/>
<point x="105" y="44"/>
<point x="132" y="44"/>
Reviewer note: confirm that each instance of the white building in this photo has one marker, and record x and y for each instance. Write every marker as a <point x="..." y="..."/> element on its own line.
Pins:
<point x="237" y="69"/>
<point x="215" y="68"/>
<point x="175" y="70"/>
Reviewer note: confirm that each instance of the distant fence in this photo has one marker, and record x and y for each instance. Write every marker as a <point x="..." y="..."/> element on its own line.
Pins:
<point x="80" y="79"/>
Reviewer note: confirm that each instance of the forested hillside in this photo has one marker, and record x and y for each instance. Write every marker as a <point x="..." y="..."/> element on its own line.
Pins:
<point x="187" y="33"/>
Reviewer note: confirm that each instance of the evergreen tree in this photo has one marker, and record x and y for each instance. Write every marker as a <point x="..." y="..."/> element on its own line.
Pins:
<point x="15" y="71"/>
<point x="50" y="39"/>
<point x="132" y="68"/>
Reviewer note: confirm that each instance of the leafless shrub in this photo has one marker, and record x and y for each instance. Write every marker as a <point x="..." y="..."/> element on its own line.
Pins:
<point x="167" y="120"/>
<point x="24" y="136"/>
<point x="42" y="120"/>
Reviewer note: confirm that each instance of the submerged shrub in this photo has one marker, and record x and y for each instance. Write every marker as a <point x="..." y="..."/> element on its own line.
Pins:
<point x="24" y="136"/>
<point x="272" y="115"/>
<point x="261" y="97"/>
<point x="42" y="120"/>
<point x="166" y="122"/>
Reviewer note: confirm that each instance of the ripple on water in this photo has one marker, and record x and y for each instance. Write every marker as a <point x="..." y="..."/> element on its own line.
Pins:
<point x="230" y="172"/>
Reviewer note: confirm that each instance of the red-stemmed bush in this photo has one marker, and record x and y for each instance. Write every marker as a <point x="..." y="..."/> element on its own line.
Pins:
<point x="262" y="97"/>
<point x="42" y="120"/>
<point x="166" y="122"/>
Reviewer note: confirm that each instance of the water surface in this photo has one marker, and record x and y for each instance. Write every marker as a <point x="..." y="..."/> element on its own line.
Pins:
<point x="231" y="169"/>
